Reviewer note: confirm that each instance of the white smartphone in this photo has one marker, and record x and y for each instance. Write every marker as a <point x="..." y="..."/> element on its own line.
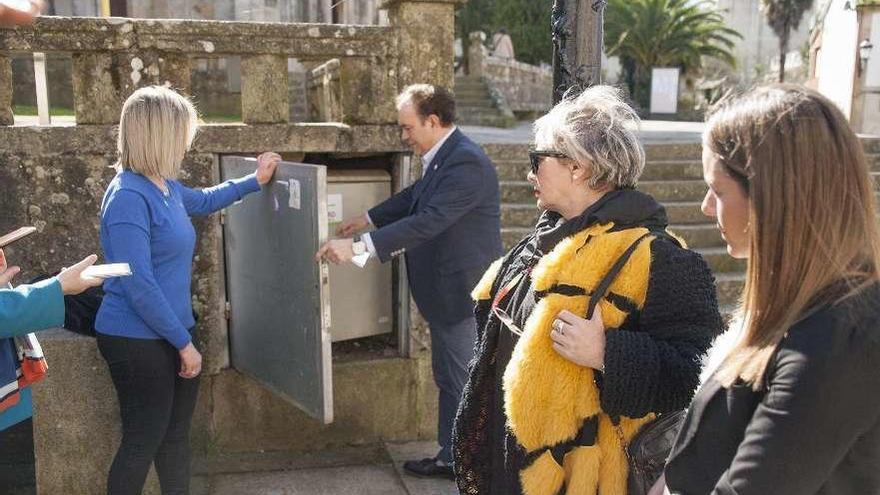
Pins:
<point x="107" y="271"/>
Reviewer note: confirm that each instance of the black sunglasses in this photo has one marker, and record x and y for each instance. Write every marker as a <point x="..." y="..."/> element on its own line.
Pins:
<point x="535" y="157"/>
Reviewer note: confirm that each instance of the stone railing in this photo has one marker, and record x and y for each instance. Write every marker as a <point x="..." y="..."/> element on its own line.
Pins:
<point x="526" y="88"/>
<point x="324" y="90"/>
<point x="112" y="57"/>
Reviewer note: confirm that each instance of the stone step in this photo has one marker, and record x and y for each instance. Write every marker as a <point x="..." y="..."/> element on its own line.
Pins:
<point x="470" y="92"/>
<point x="720" y="261"/>
<point x="674" y="190"/>
<point x="685" y="212"/>
<point x="697" y="236"/>
<point x="672" y="170"/>
<point x="520" y="191"/>
<point x="728" y="287"/>
<point x="519" y="215"/>
<point x="511" y="235"/>
<point x="468" y="85"/>
<point x="674" y="151"/>
<point x="475" y="106"/>
<point x="517" y="169"/>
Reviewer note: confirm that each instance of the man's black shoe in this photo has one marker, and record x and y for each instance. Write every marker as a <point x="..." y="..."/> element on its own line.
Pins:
<point x="429" y="468"/>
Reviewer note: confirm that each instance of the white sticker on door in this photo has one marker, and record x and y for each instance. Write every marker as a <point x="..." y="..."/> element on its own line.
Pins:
<point x="295" y="200"/>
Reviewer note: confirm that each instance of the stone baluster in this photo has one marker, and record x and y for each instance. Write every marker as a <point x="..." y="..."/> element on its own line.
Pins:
<point x="264" y="95"/>
<point x="476" y="53"/>
<point x="5" y="91"/>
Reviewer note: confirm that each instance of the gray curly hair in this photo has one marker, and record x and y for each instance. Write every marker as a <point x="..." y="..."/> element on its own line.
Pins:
<point x="597" y="129"/>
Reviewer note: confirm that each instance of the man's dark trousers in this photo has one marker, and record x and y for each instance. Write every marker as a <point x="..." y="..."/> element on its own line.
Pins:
<point x="449" y="225"/>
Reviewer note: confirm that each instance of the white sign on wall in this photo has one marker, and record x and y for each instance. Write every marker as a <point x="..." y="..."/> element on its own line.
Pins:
<point x="664" y="89"/>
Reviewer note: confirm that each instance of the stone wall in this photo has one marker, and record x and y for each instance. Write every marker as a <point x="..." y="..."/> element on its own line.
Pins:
<point x="523" y="87"/>
<point x="54" y="177"/>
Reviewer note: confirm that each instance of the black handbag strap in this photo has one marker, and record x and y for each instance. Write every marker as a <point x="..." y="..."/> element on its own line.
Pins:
<point x="605" y="284"/>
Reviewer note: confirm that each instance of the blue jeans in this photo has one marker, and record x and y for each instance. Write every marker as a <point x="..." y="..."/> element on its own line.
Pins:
<point x="452" y="348"/>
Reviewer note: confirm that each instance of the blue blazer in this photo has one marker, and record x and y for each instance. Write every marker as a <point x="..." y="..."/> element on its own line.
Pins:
<point x="449" y="225"/>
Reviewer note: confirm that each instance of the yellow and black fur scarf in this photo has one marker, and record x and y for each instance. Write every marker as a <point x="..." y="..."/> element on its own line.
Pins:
<point x="548" y="398"/>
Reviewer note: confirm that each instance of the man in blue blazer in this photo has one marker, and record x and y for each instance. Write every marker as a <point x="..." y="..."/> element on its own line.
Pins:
<point x="449" y="225"/>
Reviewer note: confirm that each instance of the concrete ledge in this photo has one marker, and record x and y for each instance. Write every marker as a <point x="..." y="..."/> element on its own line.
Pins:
<point x="213" y="138"/>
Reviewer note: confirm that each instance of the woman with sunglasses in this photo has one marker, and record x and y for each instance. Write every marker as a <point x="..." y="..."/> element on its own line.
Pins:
<point x="568" y="368"/>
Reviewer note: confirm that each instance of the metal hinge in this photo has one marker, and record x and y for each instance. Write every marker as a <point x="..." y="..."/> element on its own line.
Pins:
<point x="227" y="311"/>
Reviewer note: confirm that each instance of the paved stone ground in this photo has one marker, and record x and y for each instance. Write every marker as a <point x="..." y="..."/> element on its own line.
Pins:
<point x="362" y="471"/>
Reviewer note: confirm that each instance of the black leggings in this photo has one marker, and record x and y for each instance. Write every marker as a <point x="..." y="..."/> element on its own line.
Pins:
<point x="156" y="406"/>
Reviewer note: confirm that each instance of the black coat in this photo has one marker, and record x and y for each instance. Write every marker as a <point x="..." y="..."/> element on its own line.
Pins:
<point x="652" y="360"/>
<point x="815" y="427"/>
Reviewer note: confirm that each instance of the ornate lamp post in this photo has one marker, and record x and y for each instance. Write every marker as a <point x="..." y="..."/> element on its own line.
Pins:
<point x="577" y="44"/>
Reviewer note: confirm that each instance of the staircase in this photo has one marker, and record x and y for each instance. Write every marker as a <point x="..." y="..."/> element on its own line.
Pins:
<point x="673" y="175"/>
<point x="474" y="104"/>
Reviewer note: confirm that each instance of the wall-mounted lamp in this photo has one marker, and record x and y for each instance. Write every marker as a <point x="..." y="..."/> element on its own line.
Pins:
<point x="865" y="48"/>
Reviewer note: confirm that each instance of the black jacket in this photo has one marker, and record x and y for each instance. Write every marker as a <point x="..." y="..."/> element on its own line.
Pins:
<point x="651" y="360"/>
<point x="815" y="427"/>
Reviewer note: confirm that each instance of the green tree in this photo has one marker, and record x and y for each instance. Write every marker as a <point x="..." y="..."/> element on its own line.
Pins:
<point x="665" y="33"/>
<point x="527" y="22"/>
<point x="783" y="16"/>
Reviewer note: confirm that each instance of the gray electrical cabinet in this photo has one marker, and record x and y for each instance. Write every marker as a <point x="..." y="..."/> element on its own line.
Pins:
<point x="364" y="295"/>
<point x="284" y="309"/>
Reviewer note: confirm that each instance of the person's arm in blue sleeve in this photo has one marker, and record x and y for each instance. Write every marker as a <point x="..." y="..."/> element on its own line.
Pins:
<point x="127" y="222"/>
<point x="210" y="199"/>
<point x="32" y="307"/>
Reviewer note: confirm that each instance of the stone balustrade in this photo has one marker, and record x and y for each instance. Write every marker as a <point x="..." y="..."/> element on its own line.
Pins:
<point x="525" y="87"/>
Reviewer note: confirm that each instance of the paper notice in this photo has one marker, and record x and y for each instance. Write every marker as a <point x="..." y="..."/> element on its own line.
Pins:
<point x="334" y="208"/>
<point x="295" y="200"/>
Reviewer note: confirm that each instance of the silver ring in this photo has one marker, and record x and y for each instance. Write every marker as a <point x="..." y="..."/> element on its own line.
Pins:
<point x="558" y="326"/>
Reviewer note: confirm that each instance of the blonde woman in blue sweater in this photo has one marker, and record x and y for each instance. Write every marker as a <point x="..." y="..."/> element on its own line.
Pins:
<point x="145" y="321"/>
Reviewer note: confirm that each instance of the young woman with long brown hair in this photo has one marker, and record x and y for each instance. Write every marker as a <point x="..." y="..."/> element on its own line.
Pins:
<point x="794" y="406"/>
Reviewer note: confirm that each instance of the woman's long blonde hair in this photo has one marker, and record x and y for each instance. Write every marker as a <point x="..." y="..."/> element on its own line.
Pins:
<point x="812" y="226"/>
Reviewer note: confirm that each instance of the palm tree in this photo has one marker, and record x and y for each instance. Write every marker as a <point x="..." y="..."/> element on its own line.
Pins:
<point x="783" y="16"/>
<point x="665" y="33"/>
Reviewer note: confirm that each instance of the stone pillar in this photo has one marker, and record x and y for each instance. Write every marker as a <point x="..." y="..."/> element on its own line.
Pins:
<point x="476" y="53"/>
<point x="367" y="91"/>
<point x="425" y="41"/>
<point x="95" y="95"/>
<point x="5" y="91"/>
<point x="264" y="96"/>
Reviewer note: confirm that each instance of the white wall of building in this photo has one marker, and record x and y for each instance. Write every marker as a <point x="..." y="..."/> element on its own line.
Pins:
<point x="758" y="51"/>
<point x="835" y="61"/>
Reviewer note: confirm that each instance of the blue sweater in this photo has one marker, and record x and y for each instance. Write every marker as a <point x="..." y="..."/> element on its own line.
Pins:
<point x="153" y="233"/>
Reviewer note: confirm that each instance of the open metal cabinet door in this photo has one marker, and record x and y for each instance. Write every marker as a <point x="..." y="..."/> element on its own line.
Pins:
<point x="279" y="314"/>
